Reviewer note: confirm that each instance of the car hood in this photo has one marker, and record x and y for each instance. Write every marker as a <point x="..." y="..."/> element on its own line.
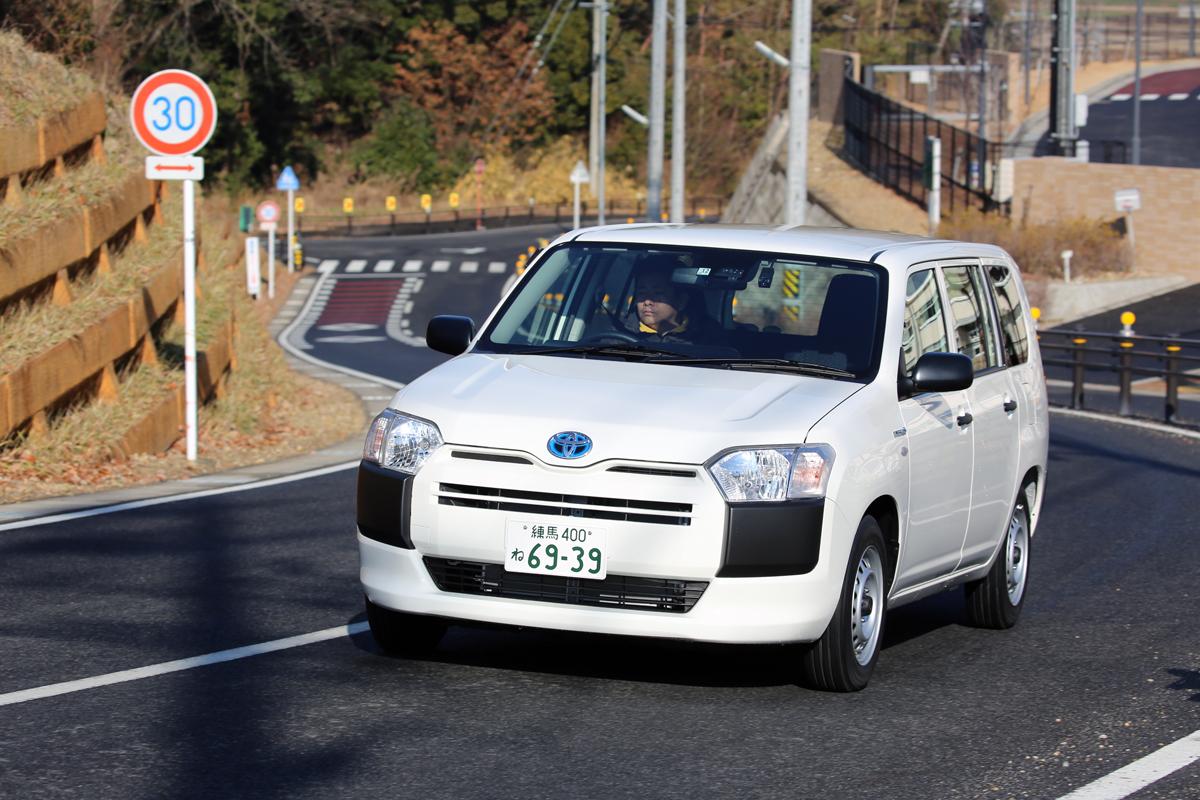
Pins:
<point x="637" y="411"/>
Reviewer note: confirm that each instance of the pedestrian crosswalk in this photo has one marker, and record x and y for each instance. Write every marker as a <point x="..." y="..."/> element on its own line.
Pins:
<point x="412" y="266"/>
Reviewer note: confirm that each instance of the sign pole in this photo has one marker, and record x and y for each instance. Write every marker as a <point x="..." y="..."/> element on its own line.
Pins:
<point x="189" y="311"/>
<point x="291" y="240"/>
<point x="271" y="259"/>
<point x="576" y="218"/>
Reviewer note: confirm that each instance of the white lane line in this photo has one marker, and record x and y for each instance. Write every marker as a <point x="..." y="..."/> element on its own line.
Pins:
<point x="1119" y="97"/>
<point x="174" y="498"/>
<point x="1178" y="96"/>
<point x="469" y="266"/>
<point x="1127" y="421"/>
<point x="412" y="265"/>
<point x="1146" y="98"/>
<point x="385" y="265"/>
<point x="497" y="266"/>
<point x="440" y="265"/>
<point x="139" y="673"/>
<point x="357" y="265"/>
<point x="1141" y="773"/>
<point x="328" y="265"/>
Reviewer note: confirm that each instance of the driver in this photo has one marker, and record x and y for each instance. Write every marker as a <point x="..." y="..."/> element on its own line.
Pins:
<point x="666" y="311"/>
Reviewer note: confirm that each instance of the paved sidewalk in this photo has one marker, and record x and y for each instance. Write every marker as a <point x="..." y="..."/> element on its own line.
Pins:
<point x="343" y="452"/>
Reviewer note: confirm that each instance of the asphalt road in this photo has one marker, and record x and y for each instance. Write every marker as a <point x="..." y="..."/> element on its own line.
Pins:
<point x="1103" y="668"/>
<point x="1170" y="114"/>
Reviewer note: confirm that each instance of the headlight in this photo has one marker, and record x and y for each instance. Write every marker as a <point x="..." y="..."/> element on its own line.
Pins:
<point x="772" y="474"/>
<point x="401" y="442"/>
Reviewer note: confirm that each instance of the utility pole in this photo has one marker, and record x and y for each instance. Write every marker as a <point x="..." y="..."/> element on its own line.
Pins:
<point x="658" y="81"/>
<point x="678" y="111"/>
<point x="1026" y="50"/>
<point x="601" y="108"/>
<point x="798" y="80"/>
<point x="1137" y="88"/>
<point x="982" y="155"/>
<point x="1062" y="78"/>
<point x="593" y="115"/>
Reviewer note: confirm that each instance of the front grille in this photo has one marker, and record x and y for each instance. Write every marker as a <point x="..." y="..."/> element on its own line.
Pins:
<point x="497" y="457"/>
<point x="615" y="591"/>
<point x="566" y="505"/>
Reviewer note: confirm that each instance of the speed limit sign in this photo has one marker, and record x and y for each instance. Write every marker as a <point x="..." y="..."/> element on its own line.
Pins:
<point x="173" y="113"/>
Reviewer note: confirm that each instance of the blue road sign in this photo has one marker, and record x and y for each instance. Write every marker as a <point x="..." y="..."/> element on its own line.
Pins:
<point x="288" y="182"/>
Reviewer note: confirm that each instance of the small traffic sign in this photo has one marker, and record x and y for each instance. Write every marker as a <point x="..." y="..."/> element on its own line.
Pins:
<point x="175" y="168"/>
<point x="1127" y="200"/>
<point x="454" y="199"/>
<point x="287" y="182"/>
<point x="427" y="202"/>
<point x="390" y="203"/>
<point x="173" y="113"/>
<point x="268" y="227"/>
<point x="580" y="173"/>
<point x="348" y="205"/>
<point x="267" y="211"/>
<point x="299" y="205"/>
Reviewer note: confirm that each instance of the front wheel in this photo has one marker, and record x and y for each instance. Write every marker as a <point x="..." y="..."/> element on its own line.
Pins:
<point x="995" y="601"/>
<point x="843" y="659"/>
<point x="401" y="634"/>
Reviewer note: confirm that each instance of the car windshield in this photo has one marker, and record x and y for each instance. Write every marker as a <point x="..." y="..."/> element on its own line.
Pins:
<point x="703" y="307"/>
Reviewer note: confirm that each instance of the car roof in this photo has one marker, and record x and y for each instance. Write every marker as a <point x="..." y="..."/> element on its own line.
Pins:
<point x="891" y="249"/>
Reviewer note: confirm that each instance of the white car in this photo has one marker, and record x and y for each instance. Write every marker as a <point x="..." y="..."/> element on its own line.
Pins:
<point x="716" y="433"/>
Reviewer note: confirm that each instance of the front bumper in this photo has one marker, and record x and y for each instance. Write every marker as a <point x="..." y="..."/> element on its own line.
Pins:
<point x="735" y="558"/>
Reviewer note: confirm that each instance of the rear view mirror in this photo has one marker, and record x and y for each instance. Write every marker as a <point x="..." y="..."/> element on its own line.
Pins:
<point x="450" y="334"/>
<point x="941" y="372"/>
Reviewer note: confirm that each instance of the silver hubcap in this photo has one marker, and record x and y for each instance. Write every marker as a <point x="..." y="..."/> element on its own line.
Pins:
<point x="1016" y="556"/>
<point x="866" y="606"/>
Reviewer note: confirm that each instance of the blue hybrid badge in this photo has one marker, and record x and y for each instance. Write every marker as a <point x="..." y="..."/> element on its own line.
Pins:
<point x="569" y="444"/>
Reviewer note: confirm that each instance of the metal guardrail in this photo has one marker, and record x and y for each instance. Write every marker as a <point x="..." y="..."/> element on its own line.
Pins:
<point x="1174" y="360"/>
<point x="463" y="219"/>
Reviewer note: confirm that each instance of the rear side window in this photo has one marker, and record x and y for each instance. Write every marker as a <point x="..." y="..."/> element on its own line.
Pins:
<point x="1013" y="336"/>
<point x="968" y="309"/>
<point x="924" y="323"/>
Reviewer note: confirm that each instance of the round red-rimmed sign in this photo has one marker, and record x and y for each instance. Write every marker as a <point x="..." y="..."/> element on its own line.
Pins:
<point x="173" y="113"/>
<point x="267" y="211"/>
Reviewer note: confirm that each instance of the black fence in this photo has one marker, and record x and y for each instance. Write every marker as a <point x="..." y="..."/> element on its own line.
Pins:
<point x="886" y="139"/>
<point x="1145" y="367"/>
<point x="697" y="209"/>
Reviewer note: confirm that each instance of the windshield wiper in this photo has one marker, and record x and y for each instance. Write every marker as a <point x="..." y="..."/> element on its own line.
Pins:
<point x="626" y="350"/>
<point x="764" y="363"/>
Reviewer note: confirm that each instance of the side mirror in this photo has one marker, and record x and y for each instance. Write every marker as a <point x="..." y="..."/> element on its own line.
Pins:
<point x="941" y="372"/>
<point x="450" y="334"/>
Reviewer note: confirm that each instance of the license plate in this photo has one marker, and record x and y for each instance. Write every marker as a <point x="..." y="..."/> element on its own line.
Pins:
<point x="550" y="546"/>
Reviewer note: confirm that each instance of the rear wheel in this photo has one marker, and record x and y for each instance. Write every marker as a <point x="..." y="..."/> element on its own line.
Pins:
<point x="843" y="659"/>
<point x="996" y="600"/>
<point x="401" y="634"/>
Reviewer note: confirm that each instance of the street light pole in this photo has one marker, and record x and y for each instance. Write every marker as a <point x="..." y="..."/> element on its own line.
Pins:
<point x="798" y="80"/>
<point x="1137" y="89"/>
<point x="678" y="111"/>
<point x="658" y="80"/>
<point x="601" y="101"/>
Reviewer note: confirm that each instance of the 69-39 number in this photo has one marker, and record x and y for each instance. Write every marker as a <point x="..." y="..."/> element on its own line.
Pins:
<point x="551" y="558"/>
<point x="174" y="116"/>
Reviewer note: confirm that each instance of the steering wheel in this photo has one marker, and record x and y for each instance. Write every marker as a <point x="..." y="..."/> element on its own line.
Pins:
<point x="611" y="336"/>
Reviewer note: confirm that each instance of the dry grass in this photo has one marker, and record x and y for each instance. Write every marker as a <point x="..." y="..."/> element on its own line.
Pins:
<point x="507" y="181"/>
<point x="33" y="84"/>
<point x="1037" y="247"/>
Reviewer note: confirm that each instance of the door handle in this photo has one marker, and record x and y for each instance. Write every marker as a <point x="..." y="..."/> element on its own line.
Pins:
<point x="1010" y="406"/>
<point x="965" y="420"/>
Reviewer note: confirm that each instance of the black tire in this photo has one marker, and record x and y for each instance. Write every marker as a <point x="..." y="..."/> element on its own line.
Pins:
<point x="832" y="663"/>
<point x="990" y="603"/>
<point x="401" y="634"/>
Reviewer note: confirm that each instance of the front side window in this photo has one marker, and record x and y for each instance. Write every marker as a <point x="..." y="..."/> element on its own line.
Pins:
<point x="924" y="323"/>
<point x="701" y="306"/>
<point x="968" y="309"/>
<point x="1013" y="334"/>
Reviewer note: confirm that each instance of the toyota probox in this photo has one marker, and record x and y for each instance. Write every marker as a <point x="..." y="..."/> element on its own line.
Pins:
<point x="716" y="433"/>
